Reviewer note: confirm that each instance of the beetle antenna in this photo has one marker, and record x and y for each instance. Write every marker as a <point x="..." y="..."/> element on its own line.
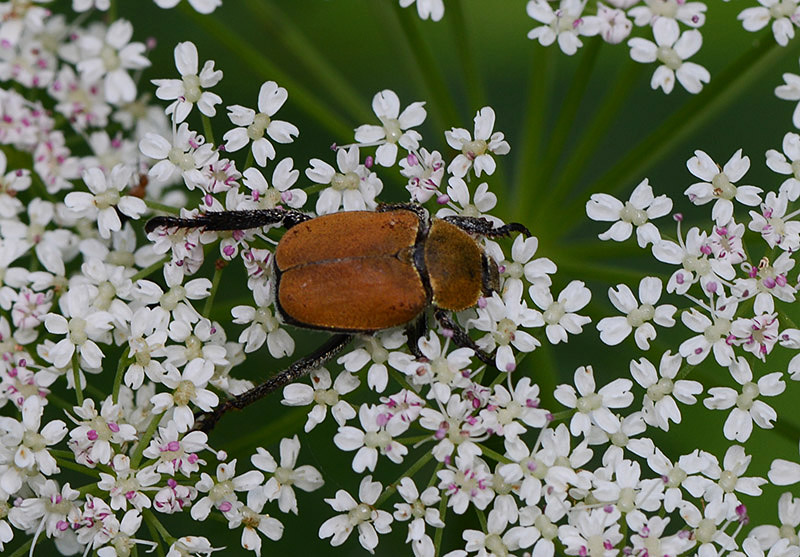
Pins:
<point x="483" y="227"/>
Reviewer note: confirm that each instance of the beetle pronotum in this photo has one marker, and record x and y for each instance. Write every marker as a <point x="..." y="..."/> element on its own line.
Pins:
<point x="361" y="272"/>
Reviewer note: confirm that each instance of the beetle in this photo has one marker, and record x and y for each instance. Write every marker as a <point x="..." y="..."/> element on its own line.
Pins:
<point x="360" y="272"/>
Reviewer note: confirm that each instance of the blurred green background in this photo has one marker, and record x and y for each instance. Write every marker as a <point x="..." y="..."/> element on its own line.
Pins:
<point x="576" y="125"/>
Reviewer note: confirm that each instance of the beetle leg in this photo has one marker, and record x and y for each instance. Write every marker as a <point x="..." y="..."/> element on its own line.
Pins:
<point x="231" y="220"/>
<point x="415" y="331"/>
<point x="460" y="336"/>
<point x="483" y="227"/>
<point x="205" y="421"/>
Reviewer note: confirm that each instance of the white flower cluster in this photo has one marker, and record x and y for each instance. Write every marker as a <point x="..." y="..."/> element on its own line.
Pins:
<point x="84" y="298"/>
<point x="566" y="21"/>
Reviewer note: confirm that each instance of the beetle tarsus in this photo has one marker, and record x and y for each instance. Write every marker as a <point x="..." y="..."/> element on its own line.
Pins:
<point x="231" y="220"/>
<point x="207" y="420"/>
<point x="460" y="336"/>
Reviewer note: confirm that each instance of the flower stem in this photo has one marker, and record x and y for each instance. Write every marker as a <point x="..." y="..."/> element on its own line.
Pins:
<point x="151" y="519"/>
<point x="564" y="124"/>
<point x="208" y="132"/>
<point x="413" y="469"/>
<point x="265" y="69"/>
<point x="494" y="455"/>
<point x="123" y="364"/>
<point x="218" y="267"/>
<point x="726" y="87"/>
<point x="156" y="206"/>
<point x="437" y="536"/>
<point x="144" y="440"/>
<point x="595" y="133"/>
<point x="283" y="30"/>
<point x="76" y="377"/>
<point x="435" y="86"/>
<point x="149" y="270"/>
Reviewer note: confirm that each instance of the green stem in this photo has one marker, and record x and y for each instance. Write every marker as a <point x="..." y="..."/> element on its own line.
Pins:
<point x="283" y="30"/>
<point x="23" y="549"/>
<point x="494" y="455"/>
<point x="437" y="536"/>
<point x="463" y="47"/>
<point x="540" y="84"/>
<point x="156" y="206"/>
<point x="482" y="520"/>
<point x="145" y="440"/>
<point x="124" y="361"/>
<point x="208" y="132"/>
<point x="723" y="89"/>
<point x="149" y="270"/>
<point x="214" y="286"/>
<point x="76" y="377"/>
<point x="595" y="134"/>
<point x="66" y="463"/>
<point x="563" y="125"/>
<point x="413" y="469"/>
<point x="264" y="68"/>
<point x="436" y="88"/>
<point x="151" y="519"/>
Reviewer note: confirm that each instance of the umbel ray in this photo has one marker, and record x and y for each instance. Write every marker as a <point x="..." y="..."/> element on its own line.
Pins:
<point x="360" y="272"/>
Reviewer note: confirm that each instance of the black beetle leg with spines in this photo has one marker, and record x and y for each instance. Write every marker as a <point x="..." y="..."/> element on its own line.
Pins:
<point x="231" y="220"/>
<point x="483" y="227"/>
<point x="415" y="331"/>
<point x="460" y="336"/>
<point x="205" y="421"/>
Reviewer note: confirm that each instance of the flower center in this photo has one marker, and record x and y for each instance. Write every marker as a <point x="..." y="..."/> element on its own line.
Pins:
<point x="669" y="57"/>
<point x="109" y="57"/>
<point x="184" y="393"/>
<point x="191" y="88"/>
<point x="641" y="315"/>
<point x="77" y="330"/>
<point x="659" y="390"/>
<point x="723" y="187"/>
<point x="392" y="129"/>
<point x="474" y="149"/>
<point x="749" y="393"/>
<point x="258" y="127"/>
<point x="631" y="214"/>
<point x="342" y="182"/>
<point x="554" y="313"/>
<point x="360" y="514"/>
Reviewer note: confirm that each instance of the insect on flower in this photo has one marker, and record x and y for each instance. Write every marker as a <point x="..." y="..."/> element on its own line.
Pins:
<point x="360" y="272"/>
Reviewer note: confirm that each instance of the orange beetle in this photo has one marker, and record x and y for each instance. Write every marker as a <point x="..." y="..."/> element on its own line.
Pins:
<point x="362" y="272"/>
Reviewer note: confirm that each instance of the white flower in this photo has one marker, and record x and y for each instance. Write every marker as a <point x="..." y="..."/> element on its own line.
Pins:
<point x="323" y="396"/>
<point x="281" y="191"/>
<point x="671" y="49"/>
<point x="642" y="207"/>
<point x="424" y="171"/>
<point x="433" y="9"/>
<point x="420" y="510"/>
<point x="559" y="315"/>
<point x="378" y="435"/>
<point x="729" y="477"/>
<point x="718" y="184"/>
<point x="688" y="13"/>
<point x="614" y="25"/>
<point x="176" y="452"/>
<point x="498" y="538"/>
<point x="105" y="200"/>
<point x="394" y="129"/>
<point x="221" y="490"/>
<point x="128" y="485"/>
<point x="614" y="330"/>
<point x="286" y="476"/>
<point x="565" y="23"/>
<point x="374" y="350"/>
<point x="695" y="264"/>
<point x="184" y="156"/>
<point x="253" y="125"/>
<point x="475" y="153"/>
<point x="502" y="318"/>
<point x="595" y="527"/>
<point x="468" y="483"/>
<point x="110" y="57"/>
<point x="82" y="325"/>
<point x="745" y="408"/>
<point x="368" y="520"/>
<point x="714" y="333"/>
<point x="593" y="407"/>
<point x="188" y="386"/>
<point x="203" y="7"/>
<point x="354" y="187"/>
<point x="659" y="407"/>
<point x="26" y="446"/>
<point x="187" y="91"/>
<point x="92" y="440"/>
<point x="758" y="334"/>
<point x="786" y="14"/>
<point x="771" y="222"/>
<point x="263" y="327"/>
